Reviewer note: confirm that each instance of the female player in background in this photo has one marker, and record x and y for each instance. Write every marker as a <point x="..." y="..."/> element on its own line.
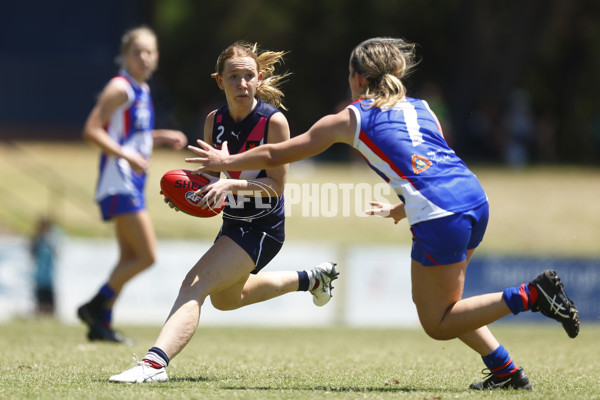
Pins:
<point x="445" y="205"/>
<point x="251" y="234"/>
<point x="121" y="125"/>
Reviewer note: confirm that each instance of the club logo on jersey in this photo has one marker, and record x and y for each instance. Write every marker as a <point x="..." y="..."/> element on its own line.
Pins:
<point x="420" y="164"/>
<point x="250" y="144"/>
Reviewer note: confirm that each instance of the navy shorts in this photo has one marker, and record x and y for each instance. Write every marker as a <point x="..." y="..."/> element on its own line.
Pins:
<point x="446" y="240"/>
<point x="259" y="245"/>
<point x="119" y="204"/>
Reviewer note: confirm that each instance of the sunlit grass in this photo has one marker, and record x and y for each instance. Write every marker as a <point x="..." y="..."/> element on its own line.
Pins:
<point x="45" y="359"/>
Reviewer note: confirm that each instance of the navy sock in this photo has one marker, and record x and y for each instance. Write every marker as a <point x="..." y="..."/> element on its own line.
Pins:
<point x="157" y="358"/>
<point x="499" y="362"/>
<point x="303" y="281"/>
<point x="519" y="298"/>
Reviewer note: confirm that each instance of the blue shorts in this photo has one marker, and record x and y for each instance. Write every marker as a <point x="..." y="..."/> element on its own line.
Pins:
<point x="119" y="204"/>
<point x="446" y="240"/>
<point x="259" y="245"/>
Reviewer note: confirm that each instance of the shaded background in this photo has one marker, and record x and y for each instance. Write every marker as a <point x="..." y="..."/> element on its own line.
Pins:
<point x="513" y="82"/>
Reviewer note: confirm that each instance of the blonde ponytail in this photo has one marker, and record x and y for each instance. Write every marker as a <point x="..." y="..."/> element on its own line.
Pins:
<point x="383" y="62"/>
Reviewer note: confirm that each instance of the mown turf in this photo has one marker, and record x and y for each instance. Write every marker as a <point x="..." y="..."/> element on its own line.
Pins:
<point x="43" y="359"/>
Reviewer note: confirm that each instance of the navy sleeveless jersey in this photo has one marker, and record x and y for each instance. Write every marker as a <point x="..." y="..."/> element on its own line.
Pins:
<point x="267" y="213"/>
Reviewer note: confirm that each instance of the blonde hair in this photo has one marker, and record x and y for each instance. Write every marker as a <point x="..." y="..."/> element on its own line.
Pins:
<point x="383" y="62"/>
<point x="268" y="91"/>
<point x="133" y="33"/>
<point x="129" y="36"/>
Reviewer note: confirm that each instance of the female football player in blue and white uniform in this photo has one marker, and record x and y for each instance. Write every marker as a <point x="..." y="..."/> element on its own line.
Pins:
<point x="442" y="200"/>
<point x="121" y="125"/>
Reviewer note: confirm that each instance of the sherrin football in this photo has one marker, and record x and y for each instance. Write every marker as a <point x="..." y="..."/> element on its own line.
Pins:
<point x="179" y="186"/>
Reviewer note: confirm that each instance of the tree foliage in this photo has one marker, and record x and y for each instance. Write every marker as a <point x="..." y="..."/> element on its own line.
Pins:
<point x="477" y="59"/>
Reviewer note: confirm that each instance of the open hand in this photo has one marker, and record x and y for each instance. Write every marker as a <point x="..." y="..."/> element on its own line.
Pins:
<point x="395" y="211"/>
<point x="211" y="159"/>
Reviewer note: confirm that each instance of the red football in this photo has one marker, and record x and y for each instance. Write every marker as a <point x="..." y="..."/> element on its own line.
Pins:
<point x="179" y="186"/>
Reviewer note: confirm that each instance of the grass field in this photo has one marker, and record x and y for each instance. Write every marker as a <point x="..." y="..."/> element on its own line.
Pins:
<point x="539" y="211"/>
<point x="545" y="211"/>
<point x="43" y="359"/>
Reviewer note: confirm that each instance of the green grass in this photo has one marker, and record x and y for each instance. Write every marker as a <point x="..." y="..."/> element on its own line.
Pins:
<point x="549" y="211"/>
<point x="45" y="359"/>
<point x="539" y="211"/>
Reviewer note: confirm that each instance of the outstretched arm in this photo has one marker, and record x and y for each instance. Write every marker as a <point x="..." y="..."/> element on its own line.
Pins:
<point x="169" y="137"/>
<point x="328" y="130"/>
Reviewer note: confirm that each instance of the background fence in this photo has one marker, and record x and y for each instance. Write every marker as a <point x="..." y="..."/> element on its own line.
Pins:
<point x="373" y="288"/>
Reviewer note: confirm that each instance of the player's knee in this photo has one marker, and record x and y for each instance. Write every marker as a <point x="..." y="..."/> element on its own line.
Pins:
<point x="223" y="305"/>
<point x="147" y="259"/>
<point x="189" y="294"/>
<point x="192" y="289"/>
<point x="229" y="301"/>
<point x="435" y="331"/>
<point x="432" y="324"/>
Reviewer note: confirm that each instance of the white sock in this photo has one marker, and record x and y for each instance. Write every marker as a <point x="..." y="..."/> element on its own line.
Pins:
<point x="313" y="280"/>
<point x="151" y="356"/>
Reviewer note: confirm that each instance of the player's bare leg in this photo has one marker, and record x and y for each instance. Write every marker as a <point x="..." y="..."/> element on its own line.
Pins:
<point x="137" y="242"/>
<point x="481" y="340"/>
<point x="220" y="268"/>
<point x="437" y="292"/>
<point x="224" y="274"/>
<point x="255" y="288"/>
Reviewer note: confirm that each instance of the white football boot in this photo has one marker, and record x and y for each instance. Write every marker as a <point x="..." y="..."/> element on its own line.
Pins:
<point x="141" y="373"/>
<point x="325" y="273"/>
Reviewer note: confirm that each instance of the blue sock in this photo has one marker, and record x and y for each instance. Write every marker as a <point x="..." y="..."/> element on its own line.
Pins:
<point x="107" y="292"/>
<point x="517" y="298"/>
<point x="107" y="317"/>
<point x="102" y="298"/>
<point x="499" y="362"/>
<point x="303" y="281"/>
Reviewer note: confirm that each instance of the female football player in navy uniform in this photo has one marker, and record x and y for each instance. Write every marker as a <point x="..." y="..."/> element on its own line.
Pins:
<point x="445" y="205"/>
<point x="253" y="219"/>
<point x="121" y="125"/>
